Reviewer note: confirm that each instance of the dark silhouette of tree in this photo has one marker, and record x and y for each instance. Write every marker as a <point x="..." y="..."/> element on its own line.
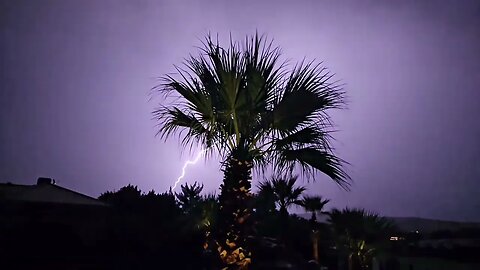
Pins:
<point x="314" y="204"/>
<point x="284" y="191"/>
<point x="208" y="223"/>
<point x="209" y="206"/>
<point x="148" y="227"/>
<point x="265" y="201"/>
<point x="200" y="211"/>
<point x="190" y="198"/>
<point x="128" y="197"/>
<point x="357" y="232"/>
<point x="242" y="103"/>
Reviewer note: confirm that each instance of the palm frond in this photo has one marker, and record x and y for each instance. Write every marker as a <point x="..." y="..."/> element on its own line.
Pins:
<point x="311" y="159"/>
<point x="173" y="119"/>
<point x="307" y="136"/>
<point x="308" y="89"/>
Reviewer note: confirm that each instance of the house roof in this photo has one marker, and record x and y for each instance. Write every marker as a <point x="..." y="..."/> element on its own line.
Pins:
<point x="45" y="193"/>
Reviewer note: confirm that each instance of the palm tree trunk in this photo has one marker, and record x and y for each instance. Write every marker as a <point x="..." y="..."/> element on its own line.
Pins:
<point x="354" y="262"/>
<point x="315" y="238"/>
<point x="284" y="226"/>
<point x="283" y="214"/>
<point x="350" y="262"/>
<point x="235" y="209"/>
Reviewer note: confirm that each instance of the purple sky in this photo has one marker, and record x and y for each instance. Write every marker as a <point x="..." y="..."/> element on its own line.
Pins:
<point x="75" y="78"/>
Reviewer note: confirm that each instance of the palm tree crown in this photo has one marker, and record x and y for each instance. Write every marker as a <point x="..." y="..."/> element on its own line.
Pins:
<point x="357" y="231"/>
<point x="313" y="204"/>
<point x="358" y="225"/>
<point x="243" y="98"/>
<point x="284" y="190"/>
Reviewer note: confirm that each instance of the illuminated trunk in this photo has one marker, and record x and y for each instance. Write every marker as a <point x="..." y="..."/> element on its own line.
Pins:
<point x="235" y="210"/>
<point x="353" y="262"/>
<point x="350" y="262"/>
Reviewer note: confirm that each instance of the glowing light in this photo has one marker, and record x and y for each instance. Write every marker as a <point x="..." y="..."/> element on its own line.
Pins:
<point x="189" y="162"/>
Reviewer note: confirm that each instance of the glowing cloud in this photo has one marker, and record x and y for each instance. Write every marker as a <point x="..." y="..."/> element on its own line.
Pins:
<point x="189" y="162"/>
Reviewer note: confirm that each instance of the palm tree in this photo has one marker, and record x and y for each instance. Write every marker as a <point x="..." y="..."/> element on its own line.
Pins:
<point x="284" y="191"/>
<point x="357" y="231"/>
<point x="314" y="204"/>
<point x="243" y="104"/>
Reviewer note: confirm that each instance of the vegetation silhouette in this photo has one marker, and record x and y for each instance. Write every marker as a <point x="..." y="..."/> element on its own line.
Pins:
<point x="315" y="205"/>
<point x="242" y="103"/>
<point x="358" y="233"/>
<point x="284" y="192"/>
<point x="148" y="230"/>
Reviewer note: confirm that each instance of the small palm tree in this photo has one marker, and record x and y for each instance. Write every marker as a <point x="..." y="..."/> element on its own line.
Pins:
<point x="357" y="231"/>
<point x="243" y="104"/>
<point x="314" y="204"/>
<point x="284" y="191"/>
<point x="361" y="254"/>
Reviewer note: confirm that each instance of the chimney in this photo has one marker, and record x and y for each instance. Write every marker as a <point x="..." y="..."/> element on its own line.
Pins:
<point x="45" y="180"/>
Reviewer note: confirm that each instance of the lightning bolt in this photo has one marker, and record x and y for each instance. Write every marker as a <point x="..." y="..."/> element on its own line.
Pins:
<point x="189" y="162"/>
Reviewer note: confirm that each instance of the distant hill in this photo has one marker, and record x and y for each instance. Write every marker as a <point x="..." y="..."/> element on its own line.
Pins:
<point x="430" y="225"/>
<point x="424" y="225"/>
